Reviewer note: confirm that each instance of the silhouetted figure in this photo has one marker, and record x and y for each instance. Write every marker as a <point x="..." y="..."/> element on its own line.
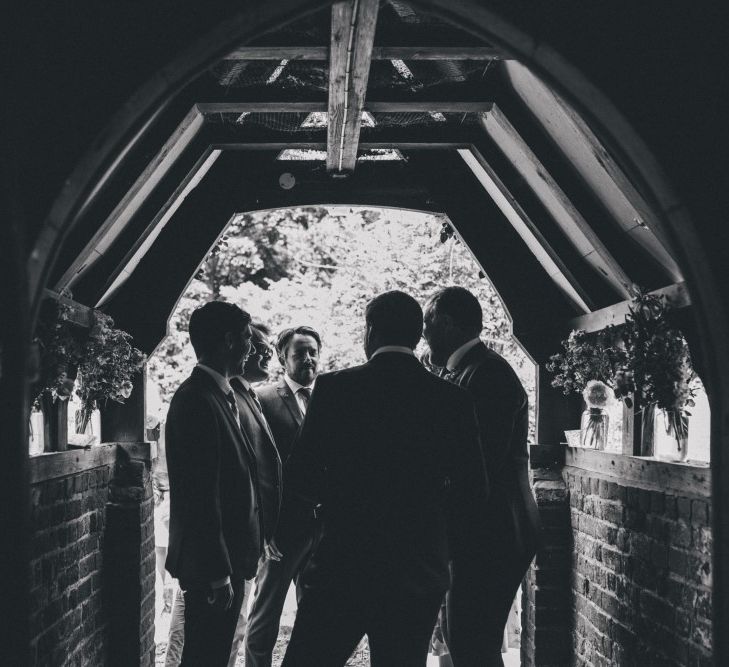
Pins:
<point x="216" y="531"/>
<point x="391" y="452"/>
<point x="490" y="565"/>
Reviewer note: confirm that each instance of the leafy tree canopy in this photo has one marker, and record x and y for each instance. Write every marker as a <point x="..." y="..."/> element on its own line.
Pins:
<point x="319" y="267"/>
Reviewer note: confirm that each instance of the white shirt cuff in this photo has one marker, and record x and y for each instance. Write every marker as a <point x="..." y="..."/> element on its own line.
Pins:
<point x="219" y="583"/>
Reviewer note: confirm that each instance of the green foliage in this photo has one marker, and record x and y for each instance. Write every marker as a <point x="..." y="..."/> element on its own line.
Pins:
<point x="646" y="358"/>
<point x="319" y="267"/>
<point x="109" y="363"/>
<point x="657" y="369"/>
<point x="61" y="348"/>
<point x="586" y="357"/>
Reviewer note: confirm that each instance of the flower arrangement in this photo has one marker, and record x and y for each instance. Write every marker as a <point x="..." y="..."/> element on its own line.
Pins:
<point x="586" y="357"/>
<point x="61" y="348"/>
<point x="108" y="366"/>
<point x="101" y="359"/>
<point x="658" y="369"/>
<point x="646" y="360"/>
<point x="594" y="425"/>
<point x="596" y="394"/>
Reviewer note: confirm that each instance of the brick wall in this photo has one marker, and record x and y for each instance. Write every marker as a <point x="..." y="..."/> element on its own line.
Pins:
<point x="92" y="526"/>
<point x="638" y="590"/>
<point x="546" y="592"/>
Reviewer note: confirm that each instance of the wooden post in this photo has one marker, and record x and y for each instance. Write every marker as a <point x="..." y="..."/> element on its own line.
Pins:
<point x="125" y="422"/>
<point x="555" y="411"/>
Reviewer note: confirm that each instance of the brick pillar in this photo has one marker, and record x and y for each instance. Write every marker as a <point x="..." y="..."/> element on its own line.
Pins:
<point x="129" y="558"/>
<point x="546" y="603"/>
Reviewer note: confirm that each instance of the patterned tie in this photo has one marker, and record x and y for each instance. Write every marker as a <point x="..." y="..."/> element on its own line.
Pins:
<point x="305" y="393"/>
<point x="233" y="405"/>
<point x="254" y="398"/>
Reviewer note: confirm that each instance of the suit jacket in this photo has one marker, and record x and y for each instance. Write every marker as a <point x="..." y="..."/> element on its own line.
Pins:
<point x="283" y="415"/>
<point x="268" y="462"/>
<point x="503" y="415"/>
<point x="215" y="527"/>
<point x="285" y="418"/>
<point x="392" y="452"/>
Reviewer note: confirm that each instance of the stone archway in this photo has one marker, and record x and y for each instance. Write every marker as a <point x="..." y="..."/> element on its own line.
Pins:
<point x="511" y="27"/>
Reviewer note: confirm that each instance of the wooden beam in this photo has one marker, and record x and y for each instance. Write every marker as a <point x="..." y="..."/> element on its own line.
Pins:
<point x="114" y="224"/>
<point x="374" y="106"/>
<point x="553" y="198"/>
<point x="145" y="240"/>
<point x="529" y="232"/>
<point x="600" y="171"/>
<point x="321" y="53"/>
<point x="352" y="38"/>
<point x="416" y="106"/>
<point x="232" y="136"/>
<point x="677" y="296"/>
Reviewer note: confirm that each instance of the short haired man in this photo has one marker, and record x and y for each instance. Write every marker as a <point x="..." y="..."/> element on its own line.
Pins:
<point x="268" y="467"/>
<point x="284" y="405"/>
<point x="216" y="534"/>
<point x="391" y="452"/>
<point x="491" y="564"/>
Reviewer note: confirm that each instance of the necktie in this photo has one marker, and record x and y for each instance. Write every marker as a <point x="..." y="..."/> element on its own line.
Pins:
<point x="254" y="398"/>
<point x="305" y="394"/>
<point x="233" y="405"/>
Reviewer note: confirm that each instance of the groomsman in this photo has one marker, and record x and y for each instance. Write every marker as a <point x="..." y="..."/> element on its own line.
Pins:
<point x="256" y="426"/>
<point x="284" y="405"/>
<point x="387" y="448"/>
<point x="216" y="531"/>
<point x="489" y="567"/>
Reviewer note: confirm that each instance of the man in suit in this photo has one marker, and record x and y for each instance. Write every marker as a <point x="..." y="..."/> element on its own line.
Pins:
<point x="216" y="531"/>
<point x="268" y="463"/>
<point x="490" y="566"/>
<point x="392" y="453"/>
<point x="256" y="427"/>
<point x="284" y="405"/>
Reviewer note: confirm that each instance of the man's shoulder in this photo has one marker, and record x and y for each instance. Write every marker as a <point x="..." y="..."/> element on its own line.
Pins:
<point x="193" y="388"/>
<point x="269" y="391"/>
<point x="447" y="390"/>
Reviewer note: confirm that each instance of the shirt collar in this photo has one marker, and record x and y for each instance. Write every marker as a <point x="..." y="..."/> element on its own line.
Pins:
<point x="220" y="380"/>
<point x="294" y="386"/>
<point x="456" y="357"/>
<point x="393" y="348"/>
<point x="244" y="382"/>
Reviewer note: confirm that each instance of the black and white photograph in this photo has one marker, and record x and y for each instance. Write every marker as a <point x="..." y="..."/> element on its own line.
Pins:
<point x="354" y="333"/>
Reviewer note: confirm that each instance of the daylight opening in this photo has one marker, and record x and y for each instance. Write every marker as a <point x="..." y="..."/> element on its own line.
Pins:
<point x="318" y="266"/>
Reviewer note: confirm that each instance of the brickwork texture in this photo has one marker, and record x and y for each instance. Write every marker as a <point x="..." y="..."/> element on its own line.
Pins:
<point x="642" y="573"/>
<point x="92" y="566"/>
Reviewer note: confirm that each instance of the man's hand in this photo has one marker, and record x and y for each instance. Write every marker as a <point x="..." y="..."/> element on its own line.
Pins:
<point x="221" y="598"/>
<point x="271" y="552"/>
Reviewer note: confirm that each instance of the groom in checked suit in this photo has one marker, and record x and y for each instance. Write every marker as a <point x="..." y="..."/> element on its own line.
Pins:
<point x="284" y="405"/>
<point x="216" y="531"/>
<point x="392" y="453"/>
<point x="489" y="566"/>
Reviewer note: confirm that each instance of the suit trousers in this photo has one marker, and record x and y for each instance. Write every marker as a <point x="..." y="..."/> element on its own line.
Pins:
<point x="331" y="622"/>
<point x="208" y="631"/>
<point x="478" y="605"/>
<point x="272" y="585"/>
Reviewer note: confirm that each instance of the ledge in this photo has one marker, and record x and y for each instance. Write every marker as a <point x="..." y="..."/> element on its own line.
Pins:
<point x="684" y="478"/>
<point x="52" y="465"/>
